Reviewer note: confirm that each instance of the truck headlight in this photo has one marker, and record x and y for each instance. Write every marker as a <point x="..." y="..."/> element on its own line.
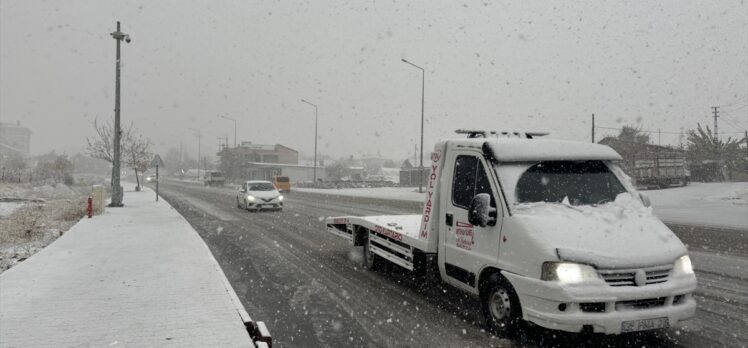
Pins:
<point x="280" y="198"/>
<point x="251" y="198"/>
<point x="683" y="265"/>
<point x="567" y="272"/>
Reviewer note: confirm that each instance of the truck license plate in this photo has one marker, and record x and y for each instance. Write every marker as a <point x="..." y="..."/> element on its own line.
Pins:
<point x="644" y="324"/>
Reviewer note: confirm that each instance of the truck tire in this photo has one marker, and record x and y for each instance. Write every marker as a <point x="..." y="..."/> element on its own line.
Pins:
<point x="372" y="261"/>
<point x="500" y="306"/>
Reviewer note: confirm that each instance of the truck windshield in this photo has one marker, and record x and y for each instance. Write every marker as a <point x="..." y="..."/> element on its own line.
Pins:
<point x="578" y="182"/>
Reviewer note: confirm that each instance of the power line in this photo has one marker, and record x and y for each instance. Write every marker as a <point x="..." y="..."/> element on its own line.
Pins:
<point x="739" y="102"/>
<point x="647" y="131"/>
<point x="726" y="119"/>
<point x="737" y="108"/>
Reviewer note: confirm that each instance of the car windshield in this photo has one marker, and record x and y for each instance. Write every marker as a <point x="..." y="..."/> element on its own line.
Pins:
<point x="575" y="182"/>
<point x="261" y="186"/>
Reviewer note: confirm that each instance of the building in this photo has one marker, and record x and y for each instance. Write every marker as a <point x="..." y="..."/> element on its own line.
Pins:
<point x="261" y="162"/>
<point x="409" y="174"/>
<point x="295" y="172"/>
<point x="14" y="139"/>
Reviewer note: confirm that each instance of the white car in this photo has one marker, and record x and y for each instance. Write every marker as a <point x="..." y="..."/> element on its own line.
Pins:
<point x="259" y="194"/>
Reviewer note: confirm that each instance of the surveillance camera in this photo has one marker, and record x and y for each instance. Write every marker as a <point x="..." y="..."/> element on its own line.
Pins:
<point x="127" y="39"/>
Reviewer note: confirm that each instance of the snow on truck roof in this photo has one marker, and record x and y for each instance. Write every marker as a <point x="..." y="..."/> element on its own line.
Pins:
<point x="524" y="150"/>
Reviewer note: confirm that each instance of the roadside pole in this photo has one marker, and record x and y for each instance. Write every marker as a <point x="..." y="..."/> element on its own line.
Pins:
<point x="156" y="162"/>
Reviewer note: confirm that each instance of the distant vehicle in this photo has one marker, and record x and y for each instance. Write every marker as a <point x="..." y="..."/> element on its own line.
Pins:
<point x="282" y="183"/>
<point x="660" y="169"/>
<point x="545" y="231"/>
<point x="214" y="178"/>
<point x="259" y="194"/>
<point x="150" y="178"/>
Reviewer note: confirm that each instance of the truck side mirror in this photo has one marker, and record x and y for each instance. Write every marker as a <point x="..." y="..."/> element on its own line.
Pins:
<point x="480" y="211"/>
<point x="645" y="200"/>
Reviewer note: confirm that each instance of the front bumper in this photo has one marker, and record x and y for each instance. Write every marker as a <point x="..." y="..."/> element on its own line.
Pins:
<point x="262" y="204"/>
<point x="603" y="308"/>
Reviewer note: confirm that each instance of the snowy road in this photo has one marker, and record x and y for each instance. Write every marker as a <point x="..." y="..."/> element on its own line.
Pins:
<point x="310" y="290"/>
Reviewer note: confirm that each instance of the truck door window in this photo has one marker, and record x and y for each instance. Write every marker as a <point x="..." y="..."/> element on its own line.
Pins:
<point x="469" y="179"/>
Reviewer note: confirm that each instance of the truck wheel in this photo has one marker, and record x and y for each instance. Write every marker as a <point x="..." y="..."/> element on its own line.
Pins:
<point x="501" y="307"/>
<point x="372" y="261"/>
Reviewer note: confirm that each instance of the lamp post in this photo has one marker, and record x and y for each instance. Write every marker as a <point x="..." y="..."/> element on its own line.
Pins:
<point x="423" y="90"/>
<point x="116" y="187"/>
<point x="315" y="139"/>
<point x="231" y="119"/>
<point x="198" y="135"/>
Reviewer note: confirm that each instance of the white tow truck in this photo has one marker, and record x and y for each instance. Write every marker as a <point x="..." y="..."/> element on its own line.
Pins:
<point x="547" y="231"/>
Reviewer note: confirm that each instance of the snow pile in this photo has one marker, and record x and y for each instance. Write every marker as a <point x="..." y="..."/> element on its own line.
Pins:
<point x="617" y="234"/>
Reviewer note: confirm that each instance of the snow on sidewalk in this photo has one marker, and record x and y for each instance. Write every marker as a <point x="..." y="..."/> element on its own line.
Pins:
<point x="137" y="276"/>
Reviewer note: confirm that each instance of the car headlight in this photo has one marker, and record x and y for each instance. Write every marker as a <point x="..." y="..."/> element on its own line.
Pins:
<point x="567" y="272"/>
<point x="683" y="265"/>
<point x="280" y="198"/>
<point x="251" y="198"/>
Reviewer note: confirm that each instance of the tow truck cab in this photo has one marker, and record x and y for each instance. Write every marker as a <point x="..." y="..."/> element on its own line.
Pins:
<point x="547" y="231"/>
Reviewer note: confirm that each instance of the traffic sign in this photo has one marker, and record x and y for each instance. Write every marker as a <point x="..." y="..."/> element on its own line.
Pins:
<point x="157" y="162"/>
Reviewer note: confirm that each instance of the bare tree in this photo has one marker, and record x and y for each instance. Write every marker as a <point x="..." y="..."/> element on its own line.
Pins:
<point x="137" y="154"/>
<point x="136" y="149"/>
<point x="102" y="146"/>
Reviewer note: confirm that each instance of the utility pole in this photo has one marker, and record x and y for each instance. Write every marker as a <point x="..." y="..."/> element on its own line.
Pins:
<point x="716" y="115"/>
<point x="415" y="153"/>
<point x="315" y="139"/>
<point x="680" y="139"/>
<point x="198" y="135"/>
<point x="659" y="137"/>
<point x="198" y="156"/>
<point x="423" y="96"/>
<point x="593" y="128"/>
<point x="116" y="187"/>
<point x="230" y="119"/>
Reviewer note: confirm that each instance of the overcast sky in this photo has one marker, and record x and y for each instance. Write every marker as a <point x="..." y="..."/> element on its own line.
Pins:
<point x="515" y="65"/>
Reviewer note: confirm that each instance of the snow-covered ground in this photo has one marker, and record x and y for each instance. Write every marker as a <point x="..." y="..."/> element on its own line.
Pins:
<point x="32" y="217"/>
<point x="712" y="204"/>
<point x="136" y="276"/>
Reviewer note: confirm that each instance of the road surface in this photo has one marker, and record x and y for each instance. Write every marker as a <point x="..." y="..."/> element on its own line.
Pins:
<point x="310" y="289"/>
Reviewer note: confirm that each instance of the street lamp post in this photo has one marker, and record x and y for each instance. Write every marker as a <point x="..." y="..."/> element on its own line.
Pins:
<point x="198" y="135"/>
<point x="231" y="119"/>
<point x="315" y="139"/>
<point x="116" y="187"/>
<point x="423" y="91"/>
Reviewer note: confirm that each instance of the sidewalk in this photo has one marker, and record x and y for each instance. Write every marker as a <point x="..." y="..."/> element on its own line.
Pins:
<point x="137" y="276"/>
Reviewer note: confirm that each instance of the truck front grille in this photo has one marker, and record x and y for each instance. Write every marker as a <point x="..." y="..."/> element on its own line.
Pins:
<point x="641" y="304"/>
<point x="627" y="277"/>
